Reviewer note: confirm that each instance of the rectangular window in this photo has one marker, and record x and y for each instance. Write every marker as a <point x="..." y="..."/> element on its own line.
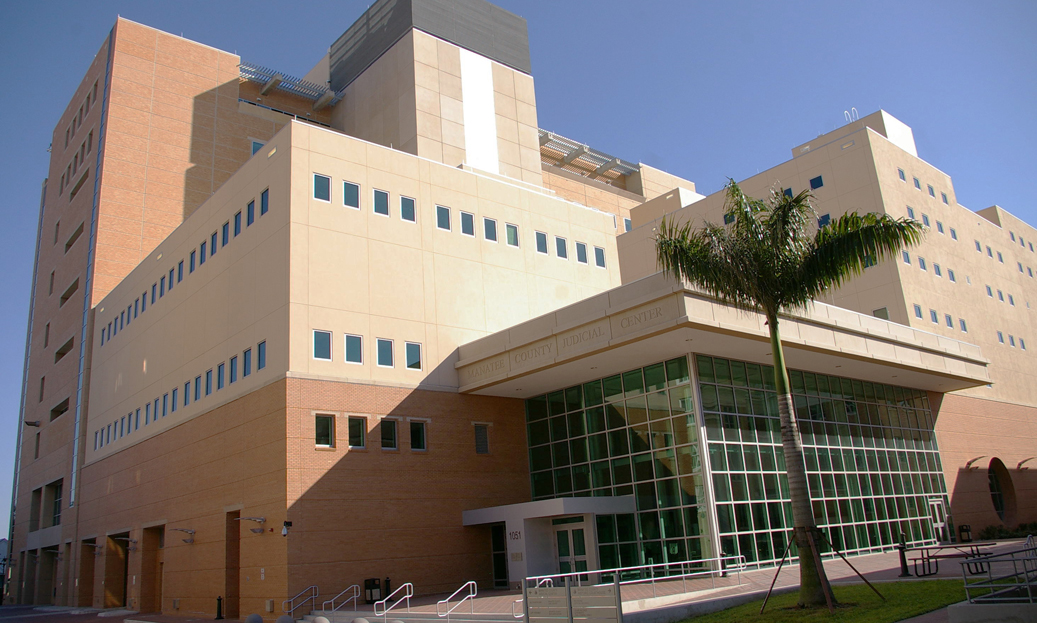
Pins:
<point x="407" y="212"/>
<point x="354" y="349"/>
<point x="208" y="382"/>
<point x="1011" y="340"/>
<point x="212" y="244"/>
<point x="979" y="247"/>
<point x="384" y="353"/>
<point x="581" y="252"/>
<point x="187" y="393"/>
<point x="482" y="439"/>
<point x="962" y="326"/>
<point x="147" y="414"/>
<point x="261" y="355"/>
<point x="990" y="292"/>
<point x="226" y="234"/>
<point x="357" y="431"/>
<point x="322" y="345"/>
<point x="541" y="242"/>
<point x="417" y="436"/>
<point x="918" y="184"/>
<point x="816" y="183"/>
<point x="351" y="195"/>
<point x="910" y="212"/>
<point x="324" y="433"/>
<point x="950" y="321"/>
<point x="934" y="316"/>
<point x="321" y="188"/>
<point x="165" y="404"/>
<point x="921" y="262"/>
<point x="264" y="202"/>
<point x="412" y="351"/>
<point x="388" y="430"/>
<point x="918" y="311"/>
<point x="907" y="257"/>
<point x="932" y="191"/>
<point x="190" y="263"/>
<point x="154" y="292"/>
<point x="1001" y="296"/>
<point x="1011" y="300"/>
<point x="381" y="202"/>
<point x="950" y="275"/>
<point x="1022" y="343"/>
<point x="954" y="234"/>
<point x="173" y="399"/>
<point x="900" y="173"/>
<point x="256" y="146"/>
<point x="1000" y="258"/>
<point x="627" y="225"/>
<point x="939" y="227"/>
<point x="233" y="369"/>
<point x="136" y="307"/>
<point x="787" y="192"/>
<point x="467" y="224"/>
<point x="1000" y="337"/>
<point x="443" y="217"/>
<point x="221" y="376"/>
<point x="250" y="213"/>
<point x="201" y="254"/>
<point x="925" y="220"/>
<point x="180" y="271"/>
<point x="561" y="248"/>
<point x="1020" y="266"/>
<point x="937" y="271"/>
<point x="161" y="287"/>
<point x="237" y="224"/>
<point x="172" y="271"/>
<point x="599" y="257"/>
<point x="511" y="231"/>
<point x="824" y="220"/>
<point x="246" y="363"/>
<point x="489" y="229"/>
<point x="944" y="197"/>
<point x="990" y="252"/>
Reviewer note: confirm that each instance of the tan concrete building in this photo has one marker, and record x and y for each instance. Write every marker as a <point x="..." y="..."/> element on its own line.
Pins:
<point x="343" y="309"/>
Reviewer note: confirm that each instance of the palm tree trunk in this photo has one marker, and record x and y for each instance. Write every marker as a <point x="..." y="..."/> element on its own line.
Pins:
<point x="813" y="583"/>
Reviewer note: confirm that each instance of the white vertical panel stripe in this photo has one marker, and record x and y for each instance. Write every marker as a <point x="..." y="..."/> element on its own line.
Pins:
<point x="480" y="119"/>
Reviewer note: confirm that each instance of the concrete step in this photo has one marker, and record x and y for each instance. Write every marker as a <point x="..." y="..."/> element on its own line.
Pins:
<point x="408" y="617"/>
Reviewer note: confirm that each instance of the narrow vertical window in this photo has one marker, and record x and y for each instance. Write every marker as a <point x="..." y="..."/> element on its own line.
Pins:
<point x="324" y="433"/>
<point x="388" y="431"/>
<point x="237" y="224"/>
<point x="208" y="382"/>
<point x="482" y="439"/>
<point x="417" y="436"/>
<point x="541" y="242"/>
<point x="162" y="287"/>
<point x="197" y="388"/>
<point x="489" y="229"/>
<point x="381" y="202"/>
<point x="599" y="257"/>
<point x="180" y="271"/>
<point x="233" y="369"/>
<point x="413" y="354"/>
<point x="212" y="244"/>
<point x="561" y="248"/>
<point x="187" y="393"/>
<point x="384" y="353"/>
<point x="250" y="213"/>
<point x="351" y="195"/>
<point x="147" y="414"/>
<point x="173" y="400"/>
<point x="357" y="431"/>
<point x="322" y="345"/>
<point x="154" y="292"/>
<point x="190" y="264"/>
<point x="201" y="254"/>
<point x="354" y="349"/>
<point x="512" y="233"/>
<point x="407" y="212"/>
<point x="264" y="202"/>
<point x="246" y="363"/>
<point x="261" y="355"/>
<point x="581" y="252"/>
<point x="467" y="224"/>
<point x="165" y="404"/>
<point x="136" y="307"/>
<point x="221" y="371"/>
<point x="443" y="217"/>
<point x="321" y="188"/>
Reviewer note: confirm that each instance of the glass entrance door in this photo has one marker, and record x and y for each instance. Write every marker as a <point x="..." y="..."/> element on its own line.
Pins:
<point x="938" y="514"/>
<point x="571" y="549"/>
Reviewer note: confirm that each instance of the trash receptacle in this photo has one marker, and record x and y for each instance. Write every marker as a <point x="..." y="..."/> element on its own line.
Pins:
<point x="965" y="533"/>
<point x="372" y="590"/>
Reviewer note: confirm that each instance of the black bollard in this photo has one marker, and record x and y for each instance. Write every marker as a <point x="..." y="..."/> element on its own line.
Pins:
<point x="219" y="609"/>
<point x="902" y="547"/>
<point x="388" y="591"/>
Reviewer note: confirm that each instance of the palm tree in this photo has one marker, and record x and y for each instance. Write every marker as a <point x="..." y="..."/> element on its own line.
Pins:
<point x="772" y="257"/>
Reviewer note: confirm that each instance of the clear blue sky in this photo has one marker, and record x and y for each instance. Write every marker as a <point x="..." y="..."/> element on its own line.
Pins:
<point x="703" y="90"/>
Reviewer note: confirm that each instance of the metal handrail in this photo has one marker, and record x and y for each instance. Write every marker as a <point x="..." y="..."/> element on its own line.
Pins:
<point x="1015" y="582"/>
<point x="724" y="564"/>
<point x="542" y="582"/>
<point x="473" y="590"/>
<point x="355" y="598"/>
<point x="311" y="592"/>
<point x="408" y="589"/>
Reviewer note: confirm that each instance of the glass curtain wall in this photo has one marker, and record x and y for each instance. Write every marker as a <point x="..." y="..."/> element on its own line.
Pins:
<point x="872" y="460"/>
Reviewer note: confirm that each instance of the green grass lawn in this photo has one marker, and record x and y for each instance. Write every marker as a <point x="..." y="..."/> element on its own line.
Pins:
<point x="857" y="604"/>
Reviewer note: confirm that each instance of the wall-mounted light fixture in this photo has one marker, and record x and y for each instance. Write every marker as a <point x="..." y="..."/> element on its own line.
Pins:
<point x="259" y="520"/>
<point x="1019" y="465"/>
<point x="190" y="533"/>
<point x="32" y="423"/>
<point x="284" y="530"/>
<point x="968" y="465"/>
<point x="131" y="544"/>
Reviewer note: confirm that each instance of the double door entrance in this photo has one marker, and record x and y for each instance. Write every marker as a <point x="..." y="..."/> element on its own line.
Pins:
<point x="570" y="544"/>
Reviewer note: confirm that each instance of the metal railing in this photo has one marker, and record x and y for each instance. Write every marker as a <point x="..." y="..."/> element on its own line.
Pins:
<point x="408" y="592"/>
<point x="1011" y="577"/>
<point x="473" y="590"/>
<point x="355" y="598"/>
<point x="543" y="582"/>
<point x="308" y="594"/>
<point x="642" y="574"/>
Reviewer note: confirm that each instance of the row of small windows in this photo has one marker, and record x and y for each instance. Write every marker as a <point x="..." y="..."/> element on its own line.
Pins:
<point x="937" y="269"/>
<point x="388" y="431"/>
<point x="380" y="202"/>
<point x="353" y="350"/>
<point x="947" y="319"/>
<point x="78" y="159"/>
<point x="925" y="221"/>
<point x="169" y="402"/>
<point x="219" y="239"/>
<point x="1020" y="239"/>
<point x="918" y="185"/>
<point x="1001" y="258"/>
<point x="77" y="119"/>
<point x="1011" y="340"/>
<point x="954" y="236"/>
<point x="1000" y="296"/>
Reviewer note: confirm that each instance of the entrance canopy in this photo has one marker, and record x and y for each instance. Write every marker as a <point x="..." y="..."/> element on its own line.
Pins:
<point x="654" y="318"/>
